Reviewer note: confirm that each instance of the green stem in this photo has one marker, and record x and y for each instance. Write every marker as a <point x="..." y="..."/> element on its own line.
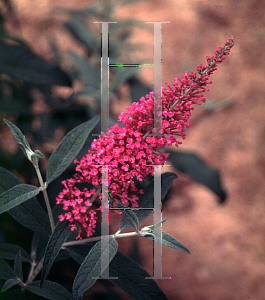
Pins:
<point x="47" y="202"/>
<point x="33" y="265"/>
<point x="98" y="238"/>
<point x="35" y="270"/>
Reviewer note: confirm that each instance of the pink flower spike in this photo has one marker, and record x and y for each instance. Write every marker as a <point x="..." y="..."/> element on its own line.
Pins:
<point x="131" y="151"/>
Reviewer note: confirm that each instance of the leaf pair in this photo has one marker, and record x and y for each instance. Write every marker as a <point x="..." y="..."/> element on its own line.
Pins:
<point x="49" y="290"/>
<point x="12" y="196"/>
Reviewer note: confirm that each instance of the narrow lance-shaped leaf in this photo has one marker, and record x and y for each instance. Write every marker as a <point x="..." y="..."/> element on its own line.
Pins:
<point x="29" y="214"/>
<point x="129" y="2"/>
<point x="128" y="218"/>
<point x="80" y="31"/>
<point x="137" y="89"/>
<point x="18" y="135"/>
<point x="167" y="239"/>
<point x="9" y="283"/>
<point x="89" y="73"/>
<point x="17" y="195"/>
<point x="131" y="276"/>
<point x="18" y="265"/>
<point x="146" y="200"/>
<point x="20" y="138"/>
<point x="192" y="165"/>
<point x="122" y="75"/>
<point x="24" y="145"/>
<point x="59" y="235"/>
<point x="68" y="149"/>
<point x="50" y="290"/>
<point x="157" y="224"/>
<point x="78" y="252"/>
<point x="20" y="62"/>
<point x="131" y="279"/>
<point x="94" y="264"/>
<point x="6" y="271"/>
<point x="9" y="251"/>
<point x="37" y="153"/>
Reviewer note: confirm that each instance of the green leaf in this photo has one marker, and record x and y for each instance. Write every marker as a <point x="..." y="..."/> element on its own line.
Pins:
<point x="91" y="267"/>
<point x="29" y="214"/>
<point x="20" y="138"/>
<point x="80" y="31"/>
<point x="128" y="218"/>
<point x="59" y="235"/>
<point x="19" y="62"/>
<point x="23" y="144"/>
<point x="92" y="92"/>
<point x="9" y="251"/>
<point x="192" y="165"/>
<point x="50" y="290"/>
<point x="6" y="271"/>
<point x="123" y="74"/>
<point x="17" y="195"/>
<point x="131" y="279"/>
<point x="68" y="148"/>
<point x="37" y="153"/>
<point x="157" y="224"/>
<point x="125" y="2"/>
<point x="81" y="13"/>
<point x="38" y="246"/>
<point x="146" y="200"/>
<point x="137" y="89"/>
<point x="167" y="239"/>
<point x="78" y="252"/>
<point x="18" y="266"/>
<point x="131" y="276"/>
<point x="18" y="135"/>
<point x="88" y="72"/>
<point x="9" y="283"/>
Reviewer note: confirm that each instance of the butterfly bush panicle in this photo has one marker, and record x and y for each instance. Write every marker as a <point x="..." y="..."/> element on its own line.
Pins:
<point x="133" y="150"/>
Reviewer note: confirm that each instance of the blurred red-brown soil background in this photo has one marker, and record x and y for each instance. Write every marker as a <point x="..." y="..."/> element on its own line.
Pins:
<point x="227" y="242"/>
